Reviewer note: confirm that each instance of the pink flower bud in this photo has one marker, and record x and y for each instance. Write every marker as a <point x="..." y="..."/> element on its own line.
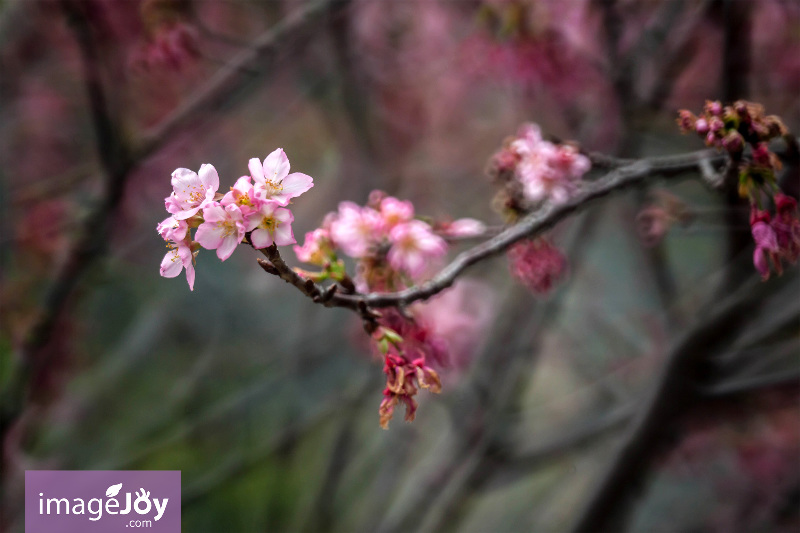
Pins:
<point x="713" y="108"/>
<point x="761" y="155"/>
<point x="785" y="205"/>
<point x="733" y="142"/>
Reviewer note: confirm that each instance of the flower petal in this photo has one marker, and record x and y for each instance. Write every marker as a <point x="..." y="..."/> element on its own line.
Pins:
<point x="209" y="177"/>
<point x="171" y="265"/>
<point x="227" y="247"/>
<point x="284" y="235"/>
<point x="283" y="215"/>
<point x="297" y="183"/>
<point x="210" y="235"/>
<point x="261" y="238"/>
<point x="256" y="170"/>
<point x="190" y="276"/>
<point x="183" y="178"/>
<point x="276" y="166"/>
<point x="214" y="213"/>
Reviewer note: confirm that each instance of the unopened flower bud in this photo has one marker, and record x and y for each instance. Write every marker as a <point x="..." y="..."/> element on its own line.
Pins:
<point x="785" y="205"/>
<point x="733" y="142"/>
<point x="761" y="155"/>
<point x="713" y="108"/>
<point x="715" y="124"/>
<point x="686" y="120"/>
<point x="775" y="126"/>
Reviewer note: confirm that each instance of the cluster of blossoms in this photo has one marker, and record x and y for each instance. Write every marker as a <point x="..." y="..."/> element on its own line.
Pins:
<point x="254" y="208"/>
<point x="531" y="171"/>
<point x="733" y="128"/>
<point x="537" y="264"/>
<point x="393" y="250"/>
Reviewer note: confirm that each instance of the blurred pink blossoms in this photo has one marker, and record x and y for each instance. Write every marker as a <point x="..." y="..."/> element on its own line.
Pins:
<point x="546" y="171"/>
<point x="531" y="172"/>
<point x="221" y="222"/>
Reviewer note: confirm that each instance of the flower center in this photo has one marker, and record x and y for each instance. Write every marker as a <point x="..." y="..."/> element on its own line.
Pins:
<point x="228" y="228"/>
<point x="197" y="194"/>
<point x="269" y="224"/>
<point x="273" y="187"/>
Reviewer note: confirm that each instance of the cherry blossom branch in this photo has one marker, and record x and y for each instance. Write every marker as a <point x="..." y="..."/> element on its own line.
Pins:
<point x="630" y="174"/>
<point x="627" y="173"/>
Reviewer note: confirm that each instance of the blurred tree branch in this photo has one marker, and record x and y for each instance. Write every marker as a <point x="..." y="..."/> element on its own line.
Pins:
<point x="675" y="390"/>
<point x="116" y="161"/>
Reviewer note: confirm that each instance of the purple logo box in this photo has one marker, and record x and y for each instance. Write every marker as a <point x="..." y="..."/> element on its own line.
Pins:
<point x="107" y="501"/>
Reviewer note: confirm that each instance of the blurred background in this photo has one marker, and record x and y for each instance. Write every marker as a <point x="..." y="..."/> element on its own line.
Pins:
<point x="267" y="403"/>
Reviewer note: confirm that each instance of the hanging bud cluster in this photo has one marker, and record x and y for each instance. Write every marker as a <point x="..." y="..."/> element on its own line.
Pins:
<point x="743" y="130"/>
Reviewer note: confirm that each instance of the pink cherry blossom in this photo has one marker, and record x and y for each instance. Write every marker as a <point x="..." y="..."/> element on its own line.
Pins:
<point x="172" y="229"/>
<point x="222" y="230"/>
<point x="273" y="181"/>
<point x="395" y="211"/>
<point x="463" y="227"/>
<point x="316" y="249"/>
<point x="270" y="224"/>
<point x="243" y="195"/>
<point x="545" y="170"/>
<point x="356" y="229"/>
<point x="528" y="139"/>
<point x="178" y="257"/>
<point x="550" y="172"/>
<point x="537" y="264"/>
<point x="414" y="245"/>
<point x="192" y="191"/>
